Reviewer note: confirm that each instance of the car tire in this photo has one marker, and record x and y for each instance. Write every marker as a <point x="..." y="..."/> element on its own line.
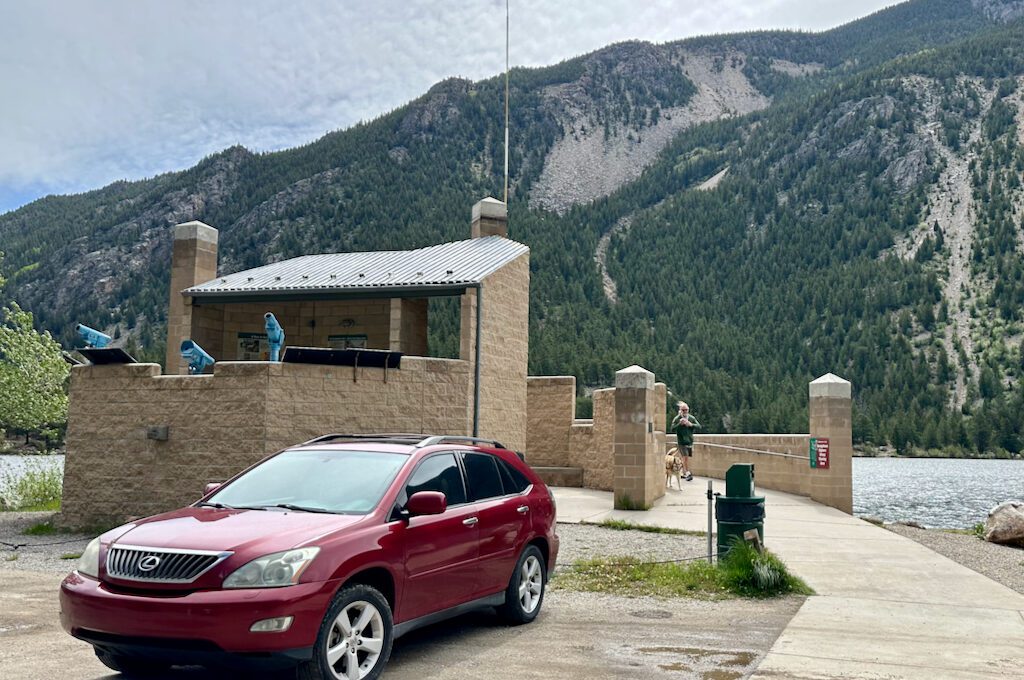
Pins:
<point x="525" y="592"/>
<point x="336" y="648"/>
<point x="130" y="667"/>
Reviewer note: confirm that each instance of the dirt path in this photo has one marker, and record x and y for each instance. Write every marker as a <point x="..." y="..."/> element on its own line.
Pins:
<point x="577" y="636"/>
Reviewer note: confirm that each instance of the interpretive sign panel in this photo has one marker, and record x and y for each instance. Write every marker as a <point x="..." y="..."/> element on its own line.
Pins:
<point x="819" y="452"/>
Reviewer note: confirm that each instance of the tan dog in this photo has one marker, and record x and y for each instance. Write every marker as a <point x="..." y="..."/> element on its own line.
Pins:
<point x="673" y="468"/>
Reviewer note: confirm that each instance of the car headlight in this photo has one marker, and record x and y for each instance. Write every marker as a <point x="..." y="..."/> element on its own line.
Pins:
<point x="272" y="571"/>
<point x="89" y="562"/>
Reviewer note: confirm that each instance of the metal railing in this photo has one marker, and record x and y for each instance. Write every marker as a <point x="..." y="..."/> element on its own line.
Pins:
<point x="760" y="451"/>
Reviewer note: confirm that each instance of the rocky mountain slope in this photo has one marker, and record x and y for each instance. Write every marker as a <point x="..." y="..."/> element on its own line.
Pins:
<point x="739" y="213"/>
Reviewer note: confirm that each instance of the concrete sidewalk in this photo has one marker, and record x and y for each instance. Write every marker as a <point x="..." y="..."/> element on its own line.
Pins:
<point x="886" y="607"/>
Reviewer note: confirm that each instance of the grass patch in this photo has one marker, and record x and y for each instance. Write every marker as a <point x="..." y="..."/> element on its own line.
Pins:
<point x="625" y="502"/>
<point x="37" y="488"/>
<point x="752" y="574"/>
<point x="743" y="572"/>
<point x="13" y="557"/>
<point x="70" y="556"/>
<point x="630" y="576"/>
<point x="41" y="529"/>
<point x="978" y="531"/>
<point x="626" y="525"/>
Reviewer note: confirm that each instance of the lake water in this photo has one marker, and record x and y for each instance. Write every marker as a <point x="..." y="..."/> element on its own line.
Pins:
<point x="936" y="492"/>
<point x="14" y="465"/>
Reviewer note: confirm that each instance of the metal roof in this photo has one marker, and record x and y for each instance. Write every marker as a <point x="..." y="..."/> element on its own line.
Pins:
<point x="441" y="268"/>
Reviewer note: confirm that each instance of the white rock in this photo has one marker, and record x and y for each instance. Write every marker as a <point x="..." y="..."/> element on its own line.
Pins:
<point x="1005" y="523"/>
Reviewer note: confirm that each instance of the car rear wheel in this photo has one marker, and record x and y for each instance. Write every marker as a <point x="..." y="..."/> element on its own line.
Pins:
<point x="130" y="666"/>
<point x="355" y="638"/>
<point x="525" y="592"/>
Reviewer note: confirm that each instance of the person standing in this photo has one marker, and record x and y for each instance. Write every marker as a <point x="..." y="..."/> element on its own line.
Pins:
<point x="683" y="424"/>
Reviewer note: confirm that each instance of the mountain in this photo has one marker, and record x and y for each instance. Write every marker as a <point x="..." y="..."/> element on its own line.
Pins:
<point x="738" y="213"/>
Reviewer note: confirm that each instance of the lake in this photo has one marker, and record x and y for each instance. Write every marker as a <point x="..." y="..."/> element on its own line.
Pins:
<point x="14" y="465"/>
<point x="935" y="492"/>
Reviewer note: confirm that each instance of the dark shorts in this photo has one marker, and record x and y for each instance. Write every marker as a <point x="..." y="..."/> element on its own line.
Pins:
<point x="685" y="450"/>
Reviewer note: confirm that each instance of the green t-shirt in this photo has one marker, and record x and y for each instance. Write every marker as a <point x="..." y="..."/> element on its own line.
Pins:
<point x="684" y="433"/>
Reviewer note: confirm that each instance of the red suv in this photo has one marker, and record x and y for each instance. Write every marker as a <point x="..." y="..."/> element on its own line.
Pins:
<point x="319" y="557"/>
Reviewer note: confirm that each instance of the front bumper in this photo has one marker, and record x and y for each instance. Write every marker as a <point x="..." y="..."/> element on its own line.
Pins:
<point x="200" y="627"/>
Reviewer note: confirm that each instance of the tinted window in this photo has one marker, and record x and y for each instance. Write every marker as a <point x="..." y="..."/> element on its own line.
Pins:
<point x="482" y="474"/>
<point x="439" y="473"/>
<point x="512" y="479"/>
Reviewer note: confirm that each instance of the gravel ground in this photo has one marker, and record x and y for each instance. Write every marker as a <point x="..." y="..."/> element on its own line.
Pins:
<point x="584" y="541"/>
<point x="999" y="562"/>
<point x="33" y="555"/>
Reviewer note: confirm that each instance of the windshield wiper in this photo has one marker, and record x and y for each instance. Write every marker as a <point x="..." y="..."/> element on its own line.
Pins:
<point x="302" y="508"/>
<point x="221" y="506"/>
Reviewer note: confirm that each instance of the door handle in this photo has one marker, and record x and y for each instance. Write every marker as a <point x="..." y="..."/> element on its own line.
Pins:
<point x="470" y="521"/>
<point x="523" y="509"/>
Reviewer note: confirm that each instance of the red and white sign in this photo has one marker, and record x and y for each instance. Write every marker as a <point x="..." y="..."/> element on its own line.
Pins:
<point x="819" y="452"/>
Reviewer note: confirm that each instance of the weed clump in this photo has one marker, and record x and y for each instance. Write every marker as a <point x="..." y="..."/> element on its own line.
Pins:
<point x="750" y="573"/>
<point x="38" y="487"/>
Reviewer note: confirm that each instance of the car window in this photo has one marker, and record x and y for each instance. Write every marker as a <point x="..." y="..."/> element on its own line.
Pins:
<point x="342" y="481"/>
<point x="482" y="475"/>
<point x="512" y="479"/>
<point x="439" y="473"/>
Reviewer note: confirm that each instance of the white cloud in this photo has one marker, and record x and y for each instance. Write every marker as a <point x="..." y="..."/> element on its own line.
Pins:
<point x="103" y="90"/>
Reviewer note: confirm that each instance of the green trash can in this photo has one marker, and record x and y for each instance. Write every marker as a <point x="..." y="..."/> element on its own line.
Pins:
<point x="739" y="510"/>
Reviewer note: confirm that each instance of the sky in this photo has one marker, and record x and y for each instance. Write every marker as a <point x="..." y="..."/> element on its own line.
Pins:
<point x="93" y="91"/>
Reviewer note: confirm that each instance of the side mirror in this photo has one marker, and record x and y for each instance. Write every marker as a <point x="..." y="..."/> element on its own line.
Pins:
<point x="426" y="503"/>
<point x="211" y="487"/>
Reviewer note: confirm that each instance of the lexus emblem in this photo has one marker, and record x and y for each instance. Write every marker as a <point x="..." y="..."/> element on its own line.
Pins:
<point x="149" y="563"/>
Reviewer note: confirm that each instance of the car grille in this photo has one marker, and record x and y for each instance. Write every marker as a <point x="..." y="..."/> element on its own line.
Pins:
<point x="160" y="565"/>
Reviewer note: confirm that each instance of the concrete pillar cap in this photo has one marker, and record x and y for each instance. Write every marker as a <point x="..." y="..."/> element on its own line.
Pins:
<point x="195" y="231"/>
<point x="634" y="377"/>
<point x="830" y="385"/>
<point x="490" y="208"/>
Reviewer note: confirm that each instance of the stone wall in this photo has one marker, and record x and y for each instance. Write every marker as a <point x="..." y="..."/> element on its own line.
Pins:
<point x="591" y="445"/>
<point x="550" y="413"/>
<point x="219" y="424"/>
<point x="504" y="353"/>
<point x="782" y="473"/>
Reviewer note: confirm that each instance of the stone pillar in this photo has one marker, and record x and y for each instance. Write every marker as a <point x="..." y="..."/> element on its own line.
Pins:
<point x="637" y="463"/>
<point x="831" y="417"/>
<point x="193" y="261"/>
<point x="490" y="218"/>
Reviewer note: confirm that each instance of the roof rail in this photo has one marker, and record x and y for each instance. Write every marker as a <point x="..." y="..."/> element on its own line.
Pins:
<point x="409" y="437"/>
<point x="418" y="439"/>
<point x="447" y="438"/>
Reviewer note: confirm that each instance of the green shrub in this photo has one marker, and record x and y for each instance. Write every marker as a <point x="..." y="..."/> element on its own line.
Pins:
<point x="38" y="487"/>
<point x="752" y="574"/>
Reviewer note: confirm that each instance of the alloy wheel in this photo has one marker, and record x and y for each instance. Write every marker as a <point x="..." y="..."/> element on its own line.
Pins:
<point x="355" y="641"/>
<point x="531" y="584"/>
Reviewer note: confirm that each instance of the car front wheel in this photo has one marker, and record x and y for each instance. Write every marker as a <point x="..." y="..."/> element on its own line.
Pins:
<point x="355" y="638"/>
<point x="525" y="592"/>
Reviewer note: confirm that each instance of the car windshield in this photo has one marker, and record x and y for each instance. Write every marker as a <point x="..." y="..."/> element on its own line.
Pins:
<point x="345" y="482"/>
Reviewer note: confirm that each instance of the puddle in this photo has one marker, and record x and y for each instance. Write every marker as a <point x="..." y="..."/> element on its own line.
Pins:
<point x="17" y="627"/>
<point x="721" y="675"/>
<point x="740" y="659"/>
<point x="651" y="614"/>
<point x="674" y="667"/>
<point x="705" y="657"/>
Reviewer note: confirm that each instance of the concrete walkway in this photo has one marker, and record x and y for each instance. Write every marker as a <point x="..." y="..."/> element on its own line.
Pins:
<point x="886" y="607"/>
